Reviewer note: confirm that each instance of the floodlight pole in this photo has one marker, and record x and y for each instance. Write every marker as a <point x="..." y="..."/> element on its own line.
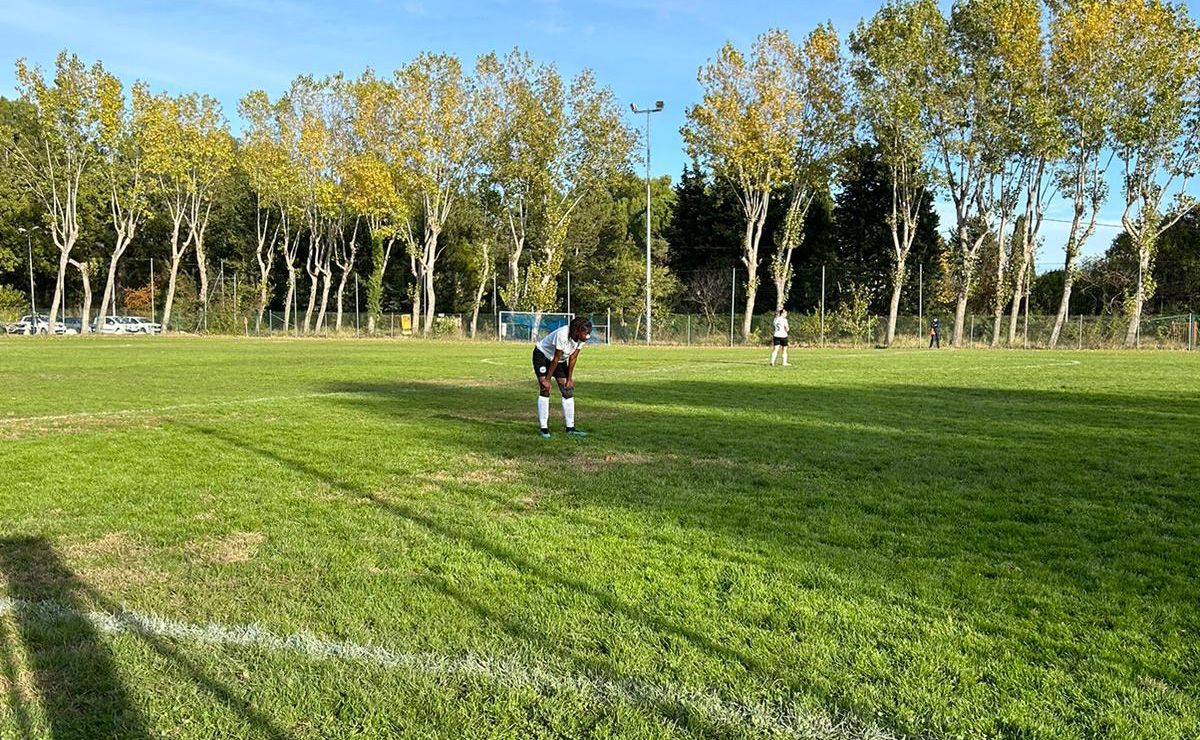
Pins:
<point x="658" y="106"/>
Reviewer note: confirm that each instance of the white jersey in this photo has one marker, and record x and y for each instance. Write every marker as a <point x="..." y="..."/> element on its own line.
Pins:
<point x="559" y="339"/>
<point x="781" y="327"/>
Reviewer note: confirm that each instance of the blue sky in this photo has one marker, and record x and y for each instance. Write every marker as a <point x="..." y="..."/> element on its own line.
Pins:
<point x="646" y="50"/>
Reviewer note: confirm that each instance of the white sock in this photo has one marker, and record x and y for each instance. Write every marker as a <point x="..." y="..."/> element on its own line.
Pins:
<point x="774" y="352"/>
<point x="785" y="357"/>
<point x="543" y="411"/>
<point x="569" y="412"/>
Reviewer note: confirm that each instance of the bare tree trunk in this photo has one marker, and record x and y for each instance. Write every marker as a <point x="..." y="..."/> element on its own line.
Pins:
<point x="430" y="261"/>
<point x="1064" y="305"/>
<point x="177" y="252"/>
<point x="125" y="232"/>
<point x="756" y="216"/>
<point x="1145" y="263"/>
<point x="291" y="292"/>
<point x="898" y="275"/>
<point x="1075" y="242"/>
<point x="64" y="257"/>
<point x="314" y="279"/>
<point x="202" y="263"/>
<point x="344" y="254"/>
<point x="483" y="279"/>
<point x="1001" y="299"/>
<point x="170" y="302"/>
<point x="418" y="288"/>
<point x="326" y="275"/>
<point x="290" y="247"/>
<point x="264" y="254"/>
<point x="341" y="290"/>
<point x="85" y="272"/>
<point x="312" y="266"/>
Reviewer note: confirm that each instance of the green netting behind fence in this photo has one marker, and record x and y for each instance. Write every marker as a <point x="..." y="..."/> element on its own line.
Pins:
<point x="1034" y="332"/>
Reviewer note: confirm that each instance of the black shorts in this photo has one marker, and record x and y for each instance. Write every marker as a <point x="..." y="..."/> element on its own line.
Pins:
<point x="779" y="341"/>
<point x="541" y="365"/>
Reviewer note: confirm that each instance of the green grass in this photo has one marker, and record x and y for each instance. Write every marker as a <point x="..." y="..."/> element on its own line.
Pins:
<point x="949" y="544"/>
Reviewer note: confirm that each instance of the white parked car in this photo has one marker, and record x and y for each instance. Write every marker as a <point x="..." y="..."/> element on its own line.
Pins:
<point x="140" y="325"/>
<point x="111" y="325"/>
<point x="38" y="324"/>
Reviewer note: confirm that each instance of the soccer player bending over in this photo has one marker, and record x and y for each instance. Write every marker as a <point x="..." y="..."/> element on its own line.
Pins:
<point x="554" y="357"/>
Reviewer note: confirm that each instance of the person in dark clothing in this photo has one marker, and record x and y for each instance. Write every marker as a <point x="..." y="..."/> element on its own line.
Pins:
<point x="935" y="334"/>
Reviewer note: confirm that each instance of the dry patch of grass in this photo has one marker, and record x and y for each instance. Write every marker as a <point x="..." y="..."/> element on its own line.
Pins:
<point x="235" y="547"/>
<point x="24" y="428"/>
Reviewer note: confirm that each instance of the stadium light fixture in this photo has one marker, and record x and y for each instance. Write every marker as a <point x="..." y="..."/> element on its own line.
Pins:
<point x="658" y="106"/>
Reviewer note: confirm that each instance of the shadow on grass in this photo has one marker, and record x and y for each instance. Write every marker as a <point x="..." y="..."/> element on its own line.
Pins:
<point x="515" y="561"/>
<point x="997" y="506"/>
<point x="78" y="683"/>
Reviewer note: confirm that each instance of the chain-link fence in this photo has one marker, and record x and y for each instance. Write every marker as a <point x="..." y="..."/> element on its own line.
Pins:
<point x="1180" y="332"/>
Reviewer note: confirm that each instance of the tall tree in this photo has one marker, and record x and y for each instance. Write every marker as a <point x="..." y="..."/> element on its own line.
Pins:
<point x="900" y="58"/>
<point x="53" y="160"/>
<point x="188" y="151"/>
<point x="441" y="148"/>
<point x="121" y="158"/>
<point x="863" y="244"/>
<point x="549" y="146"/>
<point x="1000" y="48"/>
<point x="264" y="157"/>
<point x="744" y="131"/>
<point x="375" y="182"/>
<point x="1083" y="56"/>
<point x="823" y="127"/>
<point x="1156" y="128"/>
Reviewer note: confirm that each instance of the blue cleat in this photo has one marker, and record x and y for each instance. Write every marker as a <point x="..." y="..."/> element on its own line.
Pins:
<point x="573" y="432"/>
<point x="545" y="433"/>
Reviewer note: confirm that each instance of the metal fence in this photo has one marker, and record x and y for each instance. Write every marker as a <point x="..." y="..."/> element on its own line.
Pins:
<point x="1178" y="332"/>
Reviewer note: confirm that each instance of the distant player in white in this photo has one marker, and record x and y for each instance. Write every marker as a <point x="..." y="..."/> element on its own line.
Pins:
<point x="554" y="357"/>
<point x="780" y="325"/>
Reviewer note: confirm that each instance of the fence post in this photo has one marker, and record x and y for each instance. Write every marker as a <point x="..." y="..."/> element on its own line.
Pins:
<point x="822" y="305"/>
<point x="1080" y="331"/>
<point x="689" y="330"/>
<point x="972" y="342"/>
<point x="608" y="331"/>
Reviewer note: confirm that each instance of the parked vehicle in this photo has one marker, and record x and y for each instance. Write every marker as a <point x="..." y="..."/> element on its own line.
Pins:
<point x="111" y="325"/>
<point x="140" y="325"/>
<point x="73" y="325"/>
<point x="39" y="324"/>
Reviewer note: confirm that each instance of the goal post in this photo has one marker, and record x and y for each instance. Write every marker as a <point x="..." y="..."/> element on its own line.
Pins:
<point x="531" y="326"/>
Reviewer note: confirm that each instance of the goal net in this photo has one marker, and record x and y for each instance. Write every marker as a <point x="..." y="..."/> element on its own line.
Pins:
<point x="530" y="326"/>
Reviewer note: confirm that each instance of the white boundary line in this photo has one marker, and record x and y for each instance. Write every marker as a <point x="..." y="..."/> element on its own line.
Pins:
<point x="756" y="717"/>
<point x="174" y="407"/>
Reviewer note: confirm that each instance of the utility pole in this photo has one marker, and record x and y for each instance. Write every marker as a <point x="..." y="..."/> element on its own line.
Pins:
<point x="658" y="106"/>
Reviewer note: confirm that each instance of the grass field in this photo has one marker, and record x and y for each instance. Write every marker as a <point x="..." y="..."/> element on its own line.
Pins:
<point x="311" y="539"/>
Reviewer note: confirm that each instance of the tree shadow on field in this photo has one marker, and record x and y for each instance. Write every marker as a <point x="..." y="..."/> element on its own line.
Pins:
<point x="77" y="679"/>
<point x="516" y="561"/>
<point x="1011" y="469"/>
<point x="977" y="496"/>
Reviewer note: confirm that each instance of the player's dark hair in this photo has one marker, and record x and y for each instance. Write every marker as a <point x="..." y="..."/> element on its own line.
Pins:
<point x="579" y="322"/>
